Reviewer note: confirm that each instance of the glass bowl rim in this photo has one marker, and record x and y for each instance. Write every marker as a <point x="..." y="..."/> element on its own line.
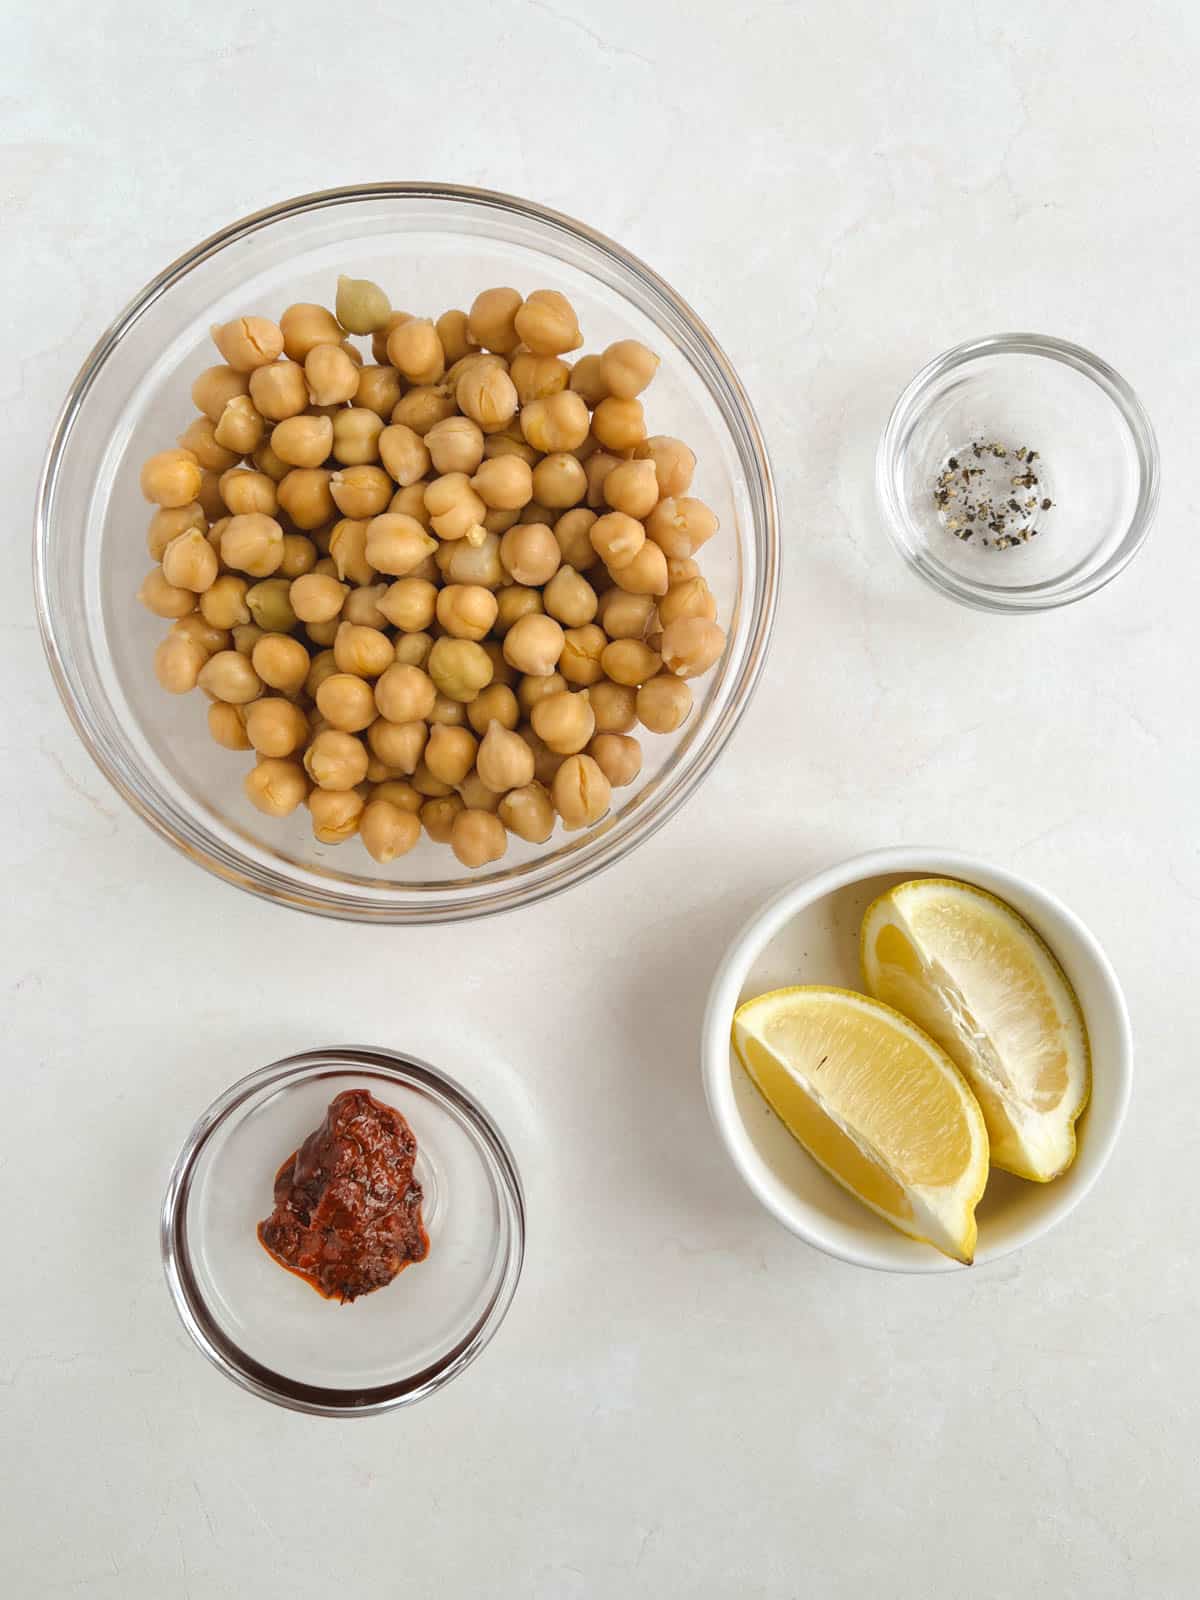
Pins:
<point x="318" y="1400"/>
<point x="195" y="840"/>
<point x="991" y="597"/>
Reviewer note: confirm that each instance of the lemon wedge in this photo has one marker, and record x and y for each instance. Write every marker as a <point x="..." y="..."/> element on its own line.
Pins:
<point x="977" y="978"/>
<point x="876" y="1103"/>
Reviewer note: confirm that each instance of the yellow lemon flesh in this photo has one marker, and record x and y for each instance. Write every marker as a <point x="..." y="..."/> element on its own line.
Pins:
<point x="876" y="1103"/>
<point x="977" y="978"/>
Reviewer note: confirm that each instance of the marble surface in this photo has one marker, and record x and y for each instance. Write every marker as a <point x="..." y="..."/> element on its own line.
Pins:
<point x="684" y="1400"/>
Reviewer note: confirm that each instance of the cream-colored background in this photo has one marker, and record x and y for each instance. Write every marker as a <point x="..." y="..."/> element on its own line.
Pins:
<point x="684" y="1400"/>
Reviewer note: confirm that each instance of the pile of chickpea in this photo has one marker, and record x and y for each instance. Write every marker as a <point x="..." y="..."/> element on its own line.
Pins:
<point x="438" y="590"/>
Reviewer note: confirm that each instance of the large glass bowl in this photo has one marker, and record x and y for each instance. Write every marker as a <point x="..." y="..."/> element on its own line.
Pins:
<point x="433" y="247"/>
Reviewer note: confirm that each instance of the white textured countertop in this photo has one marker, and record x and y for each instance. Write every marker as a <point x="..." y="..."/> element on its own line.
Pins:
<point x="684" y="1399"/>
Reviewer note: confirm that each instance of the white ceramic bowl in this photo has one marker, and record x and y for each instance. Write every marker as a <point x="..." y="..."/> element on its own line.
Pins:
<point x="809" y="934"/>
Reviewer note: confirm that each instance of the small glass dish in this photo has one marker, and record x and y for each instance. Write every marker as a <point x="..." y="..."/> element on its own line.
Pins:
<point x="269" y="1330"/>
<point x="1052" y="540"/>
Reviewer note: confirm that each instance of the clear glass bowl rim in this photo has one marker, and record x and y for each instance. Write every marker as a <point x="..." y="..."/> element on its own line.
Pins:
<point x="989" y="597"/>
<point x="176" y="1252"/>
<point x="342" y="900"/>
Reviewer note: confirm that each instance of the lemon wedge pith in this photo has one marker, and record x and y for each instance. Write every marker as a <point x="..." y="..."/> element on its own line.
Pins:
<point x="980" y="981"/>
<point x="876" y="1103"/>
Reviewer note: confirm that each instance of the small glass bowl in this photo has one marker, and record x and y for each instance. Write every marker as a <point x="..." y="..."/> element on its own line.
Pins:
<point x="270" y="1331"/>
<point x="433" y="246"/>
<point x="1098" y="462"/>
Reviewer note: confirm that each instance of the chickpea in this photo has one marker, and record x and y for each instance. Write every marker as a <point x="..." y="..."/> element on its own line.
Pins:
<point x="547" y="324"/>
<point x="497" y="703"/>
<point x="195" y="628"/>
<point x="504" y="760"/>
<point x="178" y="661"/>
<point x="361" y="306"/>
<point x="466" y="610"/>
<point x="304" y="495"/>
<point x="346" y="702"/>
<point x="450" y="753"/>
<point x="629" y="661"/>
<point x="168" y="522"/>
<point x="460" y="668"/>
<point x="400" y="744"/>
<point x="404" y="694"/>
<point x="276" y="787"/>
<point x="224" y="605"/>
<point x="398" y="793"/>
<point x="252" y="543"/>
<point x="455" y="445"/>
<point x="614" y="706"/>
<point x="627" y="368"/>
<point x="478" y="837"/>
<point x="664" y="703"/>
<point x="618" y="756"/>
<point x="366" y="652"/>
<point x="299" y="556"/>
<point x="564" y="722"/>
<point x="559" y="481"/>
<point x="581" y="792"/>
<point x="632" y="487"/>
<point x="200" y="438"/>
<point x="530" y="690"/>
<point x="533" y="644"/>
<point x="320" y="667"/>
<point x="437" y="816"/>
<point x="279" y="392"/>
<point x="304" y="325"/>
<point x="570" y="599"/>
<point x="361" y="492"/>
<point x="598" y="467"/>
<point x="691" y="598"/>
<point x="171" y="478"/>
<point x="536" y="376"/>
<point x="412" y="649"/>
<point x="396" y="544"/>
<point x="572" y="532"/>
<point x="303" y="441"/>
<point x="463" y="562"/>
<point x="409" y="603"/>
<point x="315" y="597"/>
<point x="229" y="676"/>
<point x="379" y="390"/>
<point x="516" y="601"/>
<point x="673" y="461"/>
<point x="499" y="446"/>
<point x="190" y="562"/>
<point x="504" y="483"/>
<point x="454" y="508"/>
<point x="422" y="407"/>
<point x="530" y="553"/>
<point x="248" y="342"/>
<point x="581" y="656"/>
<point x="404" y="453"/>
<point x="387" y="831"/>
<point x="680" y="568"/>
<point x="335" y="814"/>
<point x="269" y="603"/>
<point x="163" y="598"/>
<point x="215" y="387"/>
<point x="680" y="526"/>
<point x="336" y="760"/>
<point x="348" y="550"/>
<point x="281" y="662"/>
<point x="241" y="428"/>
<point x="454" y="333"/>
<point x="244" y="492"/>
<point x="625" y="616"/>
<point x="356" y="433"/>
<point x="559" y="422"/>
<point x="227" y="726"/>
<point x="415" y="350"/>
<point x="245" y="636"/>
<point x="447" y="713"/>
<point x="645" y="574"/>
<point x="617" y="539"/>
<point x="588" y="380"/>
<point x="275" y="727"/>
<point x="426" y="784"/>
<point x="208" y="495"/>
<point x="491" y="321"/>
<point x="690" y="645"/>
<point x="322" y="633"/>
<point x="488" y="396"/>
<point x="619" y="424"/>
<point x="528" y="813"/>
<point x="265" y="460"/>
<point x="545" y="762"/>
